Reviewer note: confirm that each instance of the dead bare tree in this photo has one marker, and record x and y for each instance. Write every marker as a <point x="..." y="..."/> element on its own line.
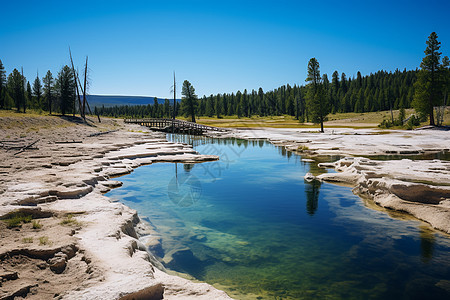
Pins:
<point x="84" y="89"/>
<point x="174" y="89"/>
<point x="87" y="103"/>
<point x="76" y="85"/>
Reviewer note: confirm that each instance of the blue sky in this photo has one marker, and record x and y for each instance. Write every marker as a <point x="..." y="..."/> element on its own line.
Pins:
<point x="219" y="46"/>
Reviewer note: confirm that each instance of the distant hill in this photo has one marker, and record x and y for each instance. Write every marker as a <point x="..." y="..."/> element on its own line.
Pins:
<point x="109" y="101"/>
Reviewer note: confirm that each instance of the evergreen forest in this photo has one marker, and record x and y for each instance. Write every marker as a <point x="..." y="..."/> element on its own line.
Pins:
<point x="375" y="92"/>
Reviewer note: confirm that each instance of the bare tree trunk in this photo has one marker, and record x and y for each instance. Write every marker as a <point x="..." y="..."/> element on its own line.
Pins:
<point x="24" y="101"/>
<point x="84" y="89"/>
<point x="87" y="103"/>
<point x="76" y="84"/>
<point x="174" y="96"/>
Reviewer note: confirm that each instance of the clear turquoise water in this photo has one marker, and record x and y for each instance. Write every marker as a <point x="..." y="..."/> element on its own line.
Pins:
<point x="252" y="226"/>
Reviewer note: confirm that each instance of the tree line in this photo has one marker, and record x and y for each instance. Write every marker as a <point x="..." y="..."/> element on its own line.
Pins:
<point x="429" y="91"/>
<point x="155" y="110"/>
<point x="374" y="92"/>
<point x="48" y="94"/>
<point x="424" y="89"/>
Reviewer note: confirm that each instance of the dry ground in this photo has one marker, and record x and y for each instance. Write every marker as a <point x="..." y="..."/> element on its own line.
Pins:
<point x="27" y="272"/>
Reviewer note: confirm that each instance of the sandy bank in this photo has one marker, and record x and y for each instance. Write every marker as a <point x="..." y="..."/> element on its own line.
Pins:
<point x="418" y="187"/>
<point x="80" y="244"/>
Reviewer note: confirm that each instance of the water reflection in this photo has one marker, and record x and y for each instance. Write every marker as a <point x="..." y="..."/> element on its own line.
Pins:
<point x="312" y="196"/>
<point x="188" y="167"/>
<point x="427" y="241"/>
<point x="195" y="140"/>
<point x="184" y="189"/>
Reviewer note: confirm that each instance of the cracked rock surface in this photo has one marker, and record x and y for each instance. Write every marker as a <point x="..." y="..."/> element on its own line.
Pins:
<point x="70" y="241"/>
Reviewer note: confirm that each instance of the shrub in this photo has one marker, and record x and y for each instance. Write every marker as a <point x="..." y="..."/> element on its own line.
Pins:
<point x="401" y="116"/>
<point x="412" y="122"/>
<point x="385" y="124"/>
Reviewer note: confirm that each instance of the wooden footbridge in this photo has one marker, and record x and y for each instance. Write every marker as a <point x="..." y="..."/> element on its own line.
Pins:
<point x="174" y="126"/>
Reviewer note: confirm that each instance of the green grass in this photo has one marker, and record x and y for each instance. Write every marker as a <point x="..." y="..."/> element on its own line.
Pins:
<point x="350" y="120"/>
<point x="340" y="120"/>
<point x="29" y="113"/>
<point x="302" y="148"/>
<point x="16" y="219"/>
<point x="70" y="221"/>
<point x="37" y="224"/>
<point x="44" y="240"/>
<point x="27" y="240"/>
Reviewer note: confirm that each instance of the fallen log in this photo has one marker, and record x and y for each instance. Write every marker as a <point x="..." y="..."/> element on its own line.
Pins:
<point x="101" y="133"/>
<point x="27" y="147"/>
<point x="68" y="142"/>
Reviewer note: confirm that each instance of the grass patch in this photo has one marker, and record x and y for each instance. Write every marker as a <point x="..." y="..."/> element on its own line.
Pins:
<point x="70" y="221"/>
<point x="343" y="120"/>
<point x="16" y="220"/>
<point x="37" y="224"/>
<point x="44" y="240"/>
<point x="15" y="113"/>
<point x="27" y="240"/>
<point x="338" y="120"/>
<point x="303" y="148"/>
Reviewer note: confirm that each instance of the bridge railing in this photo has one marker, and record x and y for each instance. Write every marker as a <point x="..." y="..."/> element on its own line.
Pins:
<point x="159" y="122"/>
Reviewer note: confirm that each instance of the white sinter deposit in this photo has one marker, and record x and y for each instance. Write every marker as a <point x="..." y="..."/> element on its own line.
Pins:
<point x="418" y="187"/>
<point x="87" y="246"/>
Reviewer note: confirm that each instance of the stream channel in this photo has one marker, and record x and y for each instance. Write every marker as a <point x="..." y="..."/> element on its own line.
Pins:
<point x="251" y="225"/>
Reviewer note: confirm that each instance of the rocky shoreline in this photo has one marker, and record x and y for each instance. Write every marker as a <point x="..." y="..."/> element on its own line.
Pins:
<point x="418" y="187"/>
<point x="71" y="242"/>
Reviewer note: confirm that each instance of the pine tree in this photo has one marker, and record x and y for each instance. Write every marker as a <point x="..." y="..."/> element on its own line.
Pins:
<point x="155" y="108"/>
<point x="316" y="99"/>
<point x="344" y="83"/>
<point x="29" y="98"/>
<point x="2" y="85"/>
<point x="244" y="104"/>
<point x="48" y="90"/>
<point x="290" y="105"/>
<point x="209" y="108"/>
<point x="218" y="106"/>
<point x="15" y="87"/>
<point x="231" y="105"/>
<point x="66" y="90"/>
<point x="428" y="86"/>
<point x="189" y="101"/>
<point x="166" y="108"/>
<point x="262" y="103"/>
<point x="358" y="80"/>
<point x="37" y="91"/>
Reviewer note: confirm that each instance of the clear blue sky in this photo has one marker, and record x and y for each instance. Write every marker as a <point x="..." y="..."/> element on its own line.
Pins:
<point x="219" y="46"/>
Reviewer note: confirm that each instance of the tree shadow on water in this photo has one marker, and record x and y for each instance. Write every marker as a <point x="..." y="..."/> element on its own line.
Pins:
<point x="312" y="196"/>
<point x="427" y="241"/>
